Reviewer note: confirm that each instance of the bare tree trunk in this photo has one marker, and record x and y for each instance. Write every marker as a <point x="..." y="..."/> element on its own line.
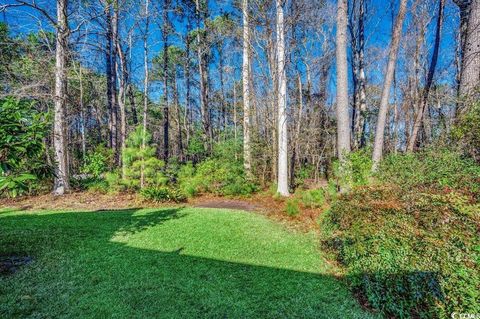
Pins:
<point x="145" y="88"/>
<point x="298" y="128"/>
<point x="188" y="110"/>
<point x="431" y="72"/>
<point x="392" y="60"/>
<point x="121" y="70"/>
<point x="343" y="121"/>
<point x="223" y="111"/>
<point x="282" y="181"/>
<point x="129" y="84"/>
<point x="179" y="123"/>
<point x="358" y="48"/>
<point x="82" y="112"/>
<point x="207" y="129"/>
<point x="235" y="116"/>
<point x="470" y="74"/>
<point x="61" y="183"/>
<point x="247" y="158"/>
<point x="111" y="57"/>
<point x="166" y="123"/>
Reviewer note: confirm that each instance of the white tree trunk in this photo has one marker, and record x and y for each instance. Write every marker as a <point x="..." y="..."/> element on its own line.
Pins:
<point x="61" y="183"/>
<point x="121" y="69"/>
<point x="282" y="180"/>
<point x="202" y="71"/>
<point x="343" y="117"/>
<point x="384" y="102"/>
<point x="470" y="74"/>
<point x="247" y="160"/>
<point x="145" y="88"/>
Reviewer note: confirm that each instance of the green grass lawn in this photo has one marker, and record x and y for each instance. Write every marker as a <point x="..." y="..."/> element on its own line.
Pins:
<point x="165" y="263"/>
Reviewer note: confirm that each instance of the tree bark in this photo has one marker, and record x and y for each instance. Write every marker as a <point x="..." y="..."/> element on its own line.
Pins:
<point x="166" y="124"/>
<point x="358" y="62"/>
<point x="145" y="87"/>
<point x="383" y="110"/>
<point x="431" y="72"/>
<point x="207" y="129"/>
<point x="282" y="180"/>
<point x="61" y="183"/>
<point x="470" y="73"/>
<point x="343" y="121"/>
<point x="110" y="56"/>
<point x="121" y="70"/>
<point x="247" y="158"/>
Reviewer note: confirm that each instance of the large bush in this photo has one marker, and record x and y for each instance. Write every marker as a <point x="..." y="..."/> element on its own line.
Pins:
<point x="98" y="162"/>
<point x="432" y="169"/>
<point x="22" y="151"/>
<point x="222" y="174"/>
<point x="355" y="170"/>
<point x="466" y="132"/>
<point x="411" y="244"/>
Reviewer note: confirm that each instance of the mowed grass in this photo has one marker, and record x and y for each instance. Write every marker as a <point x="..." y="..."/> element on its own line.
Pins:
<point x="165" y="263"/>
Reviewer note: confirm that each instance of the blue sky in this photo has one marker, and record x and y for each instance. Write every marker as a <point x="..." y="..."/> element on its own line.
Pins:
<point x="378" y="32"/>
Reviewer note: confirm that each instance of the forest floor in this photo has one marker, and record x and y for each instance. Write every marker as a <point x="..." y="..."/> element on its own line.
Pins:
<point x="176" y="262"/>
<point x="262" y="203"/>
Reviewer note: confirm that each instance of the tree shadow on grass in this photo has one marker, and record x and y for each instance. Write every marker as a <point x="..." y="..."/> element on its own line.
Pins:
<point x="80" y="272"/>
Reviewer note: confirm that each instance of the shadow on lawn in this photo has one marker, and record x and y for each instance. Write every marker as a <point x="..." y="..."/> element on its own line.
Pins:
<point x="79" y="272"/>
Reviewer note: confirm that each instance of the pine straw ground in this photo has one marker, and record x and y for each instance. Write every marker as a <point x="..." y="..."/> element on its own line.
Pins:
<point x="262" y="203"/>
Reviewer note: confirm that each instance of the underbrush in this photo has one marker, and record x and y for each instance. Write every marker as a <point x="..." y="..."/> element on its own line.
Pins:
<point x="409" y="241"/>
<point x="162" y="194"/>
<point x="220" y="174"/>
<point x="434" y="169"/>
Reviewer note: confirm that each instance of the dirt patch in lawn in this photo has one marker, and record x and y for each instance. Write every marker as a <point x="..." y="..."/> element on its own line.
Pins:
<point x="227" y="204"/>
<point x="10" y="264"/>
<point x="264" y="204"/>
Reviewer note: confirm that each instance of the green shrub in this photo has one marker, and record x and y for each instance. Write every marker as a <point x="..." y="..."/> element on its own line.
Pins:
<point x="303" y="173"/>
<point x="22" y="151"/>
<point x="17" y="184"/>
<point x="355" y="170"/>
<point x="114" y="182"/>
<point x="292" y="207"/>
<point x="162" y="194"/>
<point x="409" y="253"/>
<point x="314" y="198"/>
<point x="466" y="132"/>
<point x="97" y="162"/>
<point x="215" y="176"/>
<point x="433" y="168"/>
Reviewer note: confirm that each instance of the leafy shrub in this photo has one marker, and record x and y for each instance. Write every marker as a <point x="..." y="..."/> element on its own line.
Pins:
<point x="437" y="169"/>
<point x="97" y="162"/>
<point x="409" y="253"/>
<point x="215" y="176"/>
<point x="314" y="198"/>
<point x="355" y="170"/>
<point x="221" y="174"/>
<point x="15" y="185"/>
<point x="292" y="207"/>
<point x="22" y="151"/>
<point x="303" y="173"/>
<point x="467" y="132"/>
<point x="162" y="194"/>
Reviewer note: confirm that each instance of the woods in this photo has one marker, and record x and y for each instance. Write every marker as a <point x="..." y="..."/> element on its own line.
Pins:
<point x="286" y="107"/>
<point x="314" y="109"/>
